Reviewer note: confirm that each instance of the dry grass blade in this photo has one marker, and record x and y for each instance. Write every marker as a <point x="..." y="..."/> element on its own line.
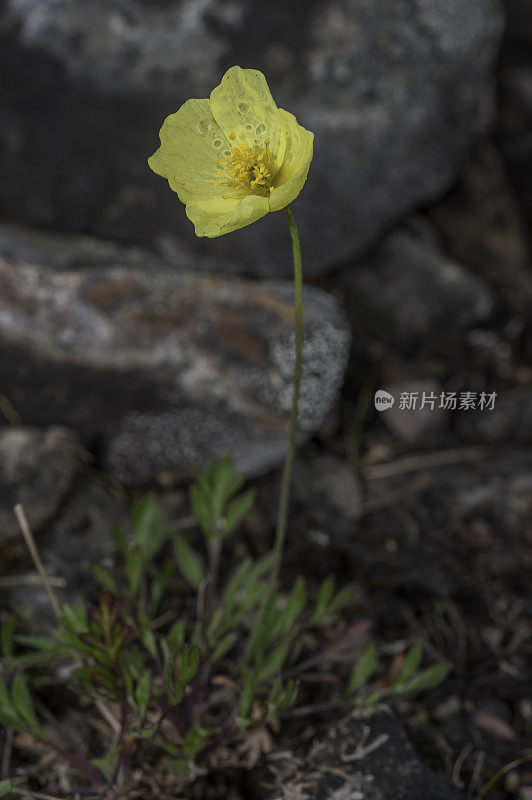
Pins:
<point x="32" y="547"/>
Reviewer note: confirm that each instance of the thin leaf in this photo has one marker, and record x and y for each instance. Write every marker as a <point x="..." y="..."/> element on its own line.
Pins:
<point x="105" y="578"/>
<point x="411" y="665"/>
<point x="236" y="511"/>
<point x="120" y="539"/>
<point x="188" y="562"/>
<point x="364" y="669"/>
<point x="142" y="694"/>
<point x="343" y="597"/>
<point x="272" y="664"/>
<point x="134" y="571"/>
<point x="6" y="637"/>
<point x="295" y="605"/>
<point x="189" y="663"/>
<point x="200" y="500"/>
<point x="246" y="699"/>
<point x="148" y="527"/>
<point x="109" y="762"/>
<point x="226" y="644"/>
<point x="24" y="704"/>
<point x="160" y="583"/>
<point x="325" y="594"/>
<point x="428" y="679"/>
<point x="176" y="637"/>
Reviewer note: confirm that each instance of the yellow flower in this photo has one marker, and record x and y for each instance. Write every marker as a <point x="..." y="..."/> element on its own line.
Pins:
<point x="235" y="157"/>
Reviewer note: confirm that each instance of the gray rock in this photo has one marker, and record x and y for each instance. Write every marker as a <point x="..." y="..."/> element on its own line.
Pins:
<point x="412" y="420"/>
<point x="513" y="132"/>
<point x="76" y="539"/>
<point x="168" y="369"/>
<point x="395" y="91"/>
<point x="332" y="484"/>
<point x="481" y="223"/>
<point x="36" y="470"/>
<point x="518" y="22"/>
<point x="410" y="294"/>
<point x="510" y="420"/>
<point x="362" y="759"/>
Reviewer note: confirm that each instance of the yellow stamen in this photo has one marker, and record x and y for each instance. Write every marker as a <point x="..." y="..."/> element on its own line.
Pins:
<point x="247" y="168"/>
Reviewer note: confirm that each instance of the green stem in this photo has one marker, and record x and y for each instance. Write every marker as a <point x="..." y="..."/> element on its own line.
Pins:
<point x="284" y="497"/>
<point x="286" y="481"/>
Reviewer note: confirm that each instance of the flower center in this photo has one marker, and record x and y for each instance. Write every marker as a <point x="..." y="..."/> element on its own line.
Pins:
<point x="247" y="168"/>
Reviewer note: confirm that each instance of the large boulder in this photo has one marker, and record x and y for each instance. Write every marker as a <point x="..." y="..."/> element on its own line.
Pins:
<point x="367" y="757"/>
<point x="410" y="294"/>
<point x="395" y="91"/>
<point x="37" y="467"/>
<point x="161" y="369"/>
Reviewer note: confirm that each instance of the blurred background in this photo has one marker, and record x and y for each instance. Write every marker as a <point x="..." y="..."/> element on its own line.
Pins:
<point x="132" y="352"/>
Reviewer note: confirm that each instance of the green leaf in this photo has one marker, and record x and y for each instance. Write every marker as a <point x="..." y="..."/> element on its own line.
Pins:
<point x="325" y="594"/>
<point x="428" y="679"/>
<point x="236" y="511"/>
<point x="120" y="539"/>
<point x="280" y="698"/>
<point x="226" y="482"/>
<point x="142" y="694"/>
<point x="225" y="645"/>
<point x="128" y="682"/>
<point x="201" y="502"/>
<point x="24" y="704"/>
<point x="262" y="565"/>
<point x="149" y="528"/>
<point x="160" y="583"/>
<point x="343" y="597"/>
<point x="74" y="618"/>
<point x="272" y="664"/>
<point x="295" y="605"/>
<point x="364" y="669"/>
<point x="189" y="663"/>
<point x="176" y="637"/>
<point x="188" y="562"/>
<point x="134" y="571"/>
<point x="193" y="740"/>
<point x="147" y="733"/>
<point x="411" y="665"/>
<point x="149" y="642"/>
<point x="5" y="699"/>
<point x="105" y="578"/>
<point x="237" y="580"/>
<point x="6" y="637"/>
<point x="371" y="700"/>
<point x="5" y="788"/>
<point x="213" y="631"/>
<point x="246" y="699"/>
<point x="109" y="762"/>
<point x="289" y="696"/>
<point x="11" y="720"/>
<point x="179" y="766"/>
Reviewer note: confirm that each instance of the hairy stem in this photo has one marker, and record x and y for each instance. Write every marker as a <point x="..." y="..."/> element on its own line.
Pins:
<point x="286" y="481"/>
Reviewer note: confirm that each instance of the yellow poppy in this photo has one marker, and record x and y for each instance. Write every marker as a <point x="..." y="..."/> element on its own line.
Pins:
<point x="235" y="157"/>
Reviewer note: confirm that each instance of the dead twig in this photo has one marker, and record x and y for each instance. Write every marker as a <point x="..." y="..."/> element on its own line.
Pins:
<point x="34" y="553"/>
<point x="9" y="412"/>
<point x="12" y="581"/>
<point x="6" y="755"/>
<point x="422" y="462"/>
